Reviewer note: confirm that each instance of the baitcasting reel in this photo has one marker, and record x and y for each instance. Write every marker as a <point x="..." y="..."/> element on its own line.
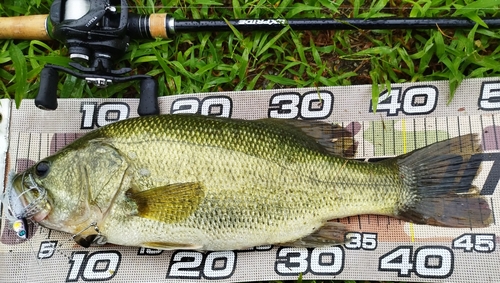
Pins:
<point x="95" y="32"/>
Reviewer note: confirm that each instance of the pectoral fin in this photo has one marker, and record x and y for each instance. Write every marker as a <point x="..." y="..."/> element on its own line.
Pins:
<point x="332" y="233"/>
<point x="171" y="203"/>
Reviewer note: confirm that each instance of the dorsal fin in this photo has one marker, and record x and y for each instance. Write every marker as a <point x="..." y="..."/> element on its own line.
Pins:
<point x="334" y="138"/>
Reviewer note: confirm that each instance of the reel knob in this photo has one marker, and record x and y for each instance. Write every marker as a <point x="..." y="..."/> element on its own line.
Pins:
<point x="148" y="102"/>
<point x="46" y="98"/>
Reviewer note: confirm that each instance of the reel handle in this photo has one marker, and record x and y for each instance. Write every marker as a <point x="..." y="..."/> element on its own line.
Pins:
<point x="46" y="98"/>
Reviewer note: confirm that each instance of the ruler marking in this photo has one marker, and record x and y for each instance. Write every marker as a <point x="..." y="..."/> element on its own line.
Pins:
<point x="447" y="128"/>
<point x="493" y="211"/>
<point x="414" y="135"/>
<point x="459" y="132"/>
<point x="459" y="128"/>
<point x="373" y="135"/>
<point x="403" y="130"/>
<point x="425" y="132"/>
<point x="496" y="137"/>
<point x="436" y="128"/>
<point x="55" y="142"/>
<point x="483" y="140"/>
<point x="364" y="142"/>
<point x="412" y="232"/>
<point x="470" y="125"/>
<point x="495" y="131"/>
<point x="48" y="144"/>
<point x="40" y="147"/>
<point x="383" y="137"/>
<point x="393" y="137"/>
<point x="471" y="131"/>
<point x="29" y="149"/>
<point x="343" y="142"/>
<point x="17" y="151"/>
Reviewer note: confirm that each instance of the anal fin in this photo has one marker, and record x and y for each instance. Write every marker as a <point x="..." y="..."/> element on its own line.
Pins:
<point x="331" y="233"/>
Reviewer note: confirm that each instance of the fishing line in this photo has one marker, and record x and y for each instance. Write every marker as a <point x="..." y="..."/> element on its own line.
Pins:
<point x="75" y="9"/>
<point x="309" y="8"/>
<point x="34" y="253"/>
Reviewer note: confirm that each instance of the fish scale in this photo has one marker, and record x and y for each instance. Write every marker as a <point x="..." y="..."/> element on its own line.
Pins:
<point x="195" y="182"/>
<point x="233" y="175"/>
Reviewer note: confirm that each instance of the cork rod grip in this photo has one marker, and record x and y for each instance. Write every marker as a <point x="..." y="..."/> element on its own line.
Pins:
<point x="24" y="27"/>
<point x="158" y="25"/>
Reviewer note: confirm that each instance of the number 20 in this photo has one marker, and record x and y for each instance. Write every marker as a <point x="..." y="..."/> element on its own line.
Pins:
<point x="193" y="265"/>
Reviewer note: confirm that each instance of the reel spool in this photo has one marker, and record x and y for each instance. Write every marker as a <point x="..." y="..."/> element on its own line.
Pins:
<point x="75" y="9"/>
<point x="95" y="32"/>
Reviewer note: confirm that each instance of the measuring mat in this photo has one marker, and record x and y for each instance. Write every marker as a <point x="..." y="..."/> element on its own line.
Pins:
<point x="377" y="248"/>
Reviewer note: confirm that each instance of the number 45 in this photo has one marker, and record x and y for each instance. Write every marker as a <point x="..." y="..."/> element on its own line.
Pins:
<point x="483" y="243"/>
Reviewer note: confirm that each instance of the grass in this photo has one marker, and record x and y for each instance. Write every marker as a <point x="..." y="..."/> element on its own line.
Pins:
<point x="227" y="61"/>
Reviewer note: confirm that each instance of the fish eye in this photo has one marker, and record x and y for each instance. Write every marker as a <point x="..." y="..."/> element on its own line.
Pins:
<point x="42" y="169"/>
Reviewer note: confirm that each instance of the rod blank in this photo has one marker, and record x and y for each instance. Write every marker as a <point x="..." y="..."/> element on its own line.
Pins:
<point x="330" y="24"/>
<point x="172" y="26"/>
<point x="161" y="25"/>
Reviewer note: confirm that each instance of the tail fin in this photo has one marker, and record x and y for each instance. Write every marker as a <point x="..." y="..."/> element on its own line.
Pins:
<point x="438" y="181"/>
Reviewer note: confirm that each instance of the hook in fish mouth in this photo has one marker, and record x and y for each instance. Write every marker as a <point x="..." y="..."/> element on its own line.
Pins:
<point x="27" y="199"/>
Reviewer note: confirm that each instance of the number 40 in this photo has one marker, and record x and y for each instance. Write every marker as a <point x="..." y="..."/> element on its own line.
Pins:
<point x="418" y="100"/>
<point x="426" y="262"/>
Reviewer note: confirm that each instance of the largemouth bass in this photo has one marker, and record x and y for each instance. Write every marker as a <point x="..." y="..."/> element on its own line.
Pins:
<point x="205" y="183"/>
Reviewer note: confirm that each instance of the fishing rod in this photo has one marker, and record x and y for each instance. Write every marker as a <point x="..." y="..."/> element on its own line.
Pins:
<point x="98" y="32"/>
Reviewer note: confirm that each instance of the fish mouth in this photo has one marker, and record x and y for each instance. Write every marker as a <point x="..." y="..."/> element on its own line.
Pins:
<point x="26" y="198"/>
